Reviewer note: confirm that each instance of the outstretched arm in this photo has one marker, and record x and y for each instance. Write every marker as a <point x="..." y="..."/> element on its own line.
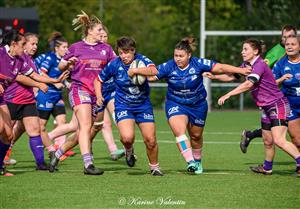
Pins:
<point x="240" y="89"/>
<point x="47" y="79"/>
<point x="221" y="77"/>
<point x="225" y="68"/>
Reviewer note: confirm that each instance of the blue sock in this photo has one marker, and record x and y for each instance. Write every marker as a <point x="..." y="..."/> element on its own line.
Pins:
<point x="298" y="161"/>
<point x="268" y="165"/>
<point x="3" y="150"/>
<point x="37" y="148"/>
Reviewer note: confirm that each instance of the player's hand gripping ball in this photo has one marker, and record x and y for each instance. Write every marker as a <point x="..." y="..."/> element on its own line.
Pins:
<point x="138" y="79"/>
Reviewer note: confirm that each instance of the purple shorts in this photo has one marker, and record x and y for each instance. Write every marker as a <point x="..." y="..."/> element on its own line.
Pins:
<point x="79" y="96"/>
<point x="277" y="111"/>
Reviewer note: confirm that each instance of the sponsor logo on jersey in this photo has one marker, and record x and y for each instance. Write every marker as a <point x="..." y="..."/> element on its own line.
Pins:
<point x="263" y="116"/>
<point x="206" y="62"/>
<point x="49" y="105"/>
<point x="173" y="110"/>
<point x="192" y="71"/>
<point x="61" y="102"/>
<point x="111" y="80"/>
<point x="122" y="114"/>
<point x="199" y="121"/>
<point x="134" y="90"/>
<point x="273" y="113"/>
<point x="298" y="91"/>
<point x="194" y="77"/>
<point x="291" y="113"/>
<point x="103" y="52"/>
<point x="15" y="71"/>
<point x="287" y="68"/>
<point x="148" y="116"/>
<point x="84" y="96"/>
<point x="147" y="59"/>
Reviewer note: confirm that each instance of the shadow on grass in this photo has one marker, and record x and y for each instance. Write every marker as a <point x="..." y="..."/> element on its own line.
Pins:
<point x="274" y="163"/>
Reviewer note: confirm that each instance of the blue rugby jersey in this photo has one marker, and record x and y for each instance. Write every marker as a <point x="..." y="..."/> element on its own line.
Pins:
<point x="290" y="87"/>
<point x="49" y="65"/>
<point x="185" y="86"/>
<point x="126" y="92"/>
<point x="108" y="86"/>
<point x="38" y="60"/>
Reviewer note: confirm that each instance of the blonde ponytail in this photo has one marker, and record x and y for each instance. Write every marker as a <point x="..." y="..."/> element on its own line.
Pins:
<point x="85" y="22"/>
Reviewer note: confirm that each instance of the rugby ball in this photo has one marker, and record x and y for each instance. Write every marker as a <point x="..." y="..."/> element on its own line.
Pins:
<point x="138" y="79"/>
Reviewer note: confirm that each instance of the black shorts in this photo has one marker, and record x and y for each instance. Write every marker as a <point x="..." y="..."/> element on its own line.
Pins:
<point x="57" y="110"/>
<point x="20" y="111"/>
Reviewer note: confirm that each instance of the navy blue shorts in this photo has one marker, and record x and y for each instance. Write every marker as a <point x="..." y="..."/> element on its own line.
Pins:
<point x="196" y="113"/>
<point x="47" y="101"/>
<point x="141" y="113"/>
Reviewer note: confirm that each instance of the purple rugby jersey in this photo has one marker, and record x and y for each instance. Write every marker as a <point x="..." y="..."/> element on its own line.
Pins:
<point x="92" y="58"/>
<point x="10" y="67"/>
<point x="265" y="90"/>
<point x="20" y="94"/>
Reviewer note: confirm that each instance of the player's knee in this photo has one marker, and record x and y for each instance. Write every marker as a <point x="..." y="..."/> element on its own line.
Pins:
<point x="42" y="128"/>
<point x="127" y="139"/>
<point x="98" y="128"/>
<point x="7" y="137"/>
<point x="196" y="137"/>
<point x="85" y="126"/>
<point x="5" y="140"/>
<point x="268" y="140"/>
<point x="150" y="142"/>
<point x="107" y="126"/>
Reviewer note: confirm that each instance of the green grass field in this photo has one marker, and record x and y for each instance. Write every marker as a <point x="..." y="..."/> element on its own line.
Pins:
<point x="225" y="183"/>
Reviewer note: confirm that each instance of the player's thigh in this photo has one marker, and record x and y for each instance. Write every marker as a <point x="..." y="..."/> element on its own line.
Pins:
<point x="127" y="129"/>
<point x="106" y="119"/>
<point x="6" y="128"/>
<point x="111" y="106"/>
<point x="83" y="114"/>
<point x="294" y="129"/>
<point x="148" y="131"/>
<point x="61" y="119"/>
<point x="32" y="125"/>
<point x="178" y="124"/>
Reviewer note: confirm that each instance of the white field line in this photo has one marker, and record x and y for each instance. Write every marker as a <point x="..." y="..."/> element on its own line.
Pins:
<point x="171" y="141"/>
<point x="205" y="132"/>
<point x="107" y="171"/>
